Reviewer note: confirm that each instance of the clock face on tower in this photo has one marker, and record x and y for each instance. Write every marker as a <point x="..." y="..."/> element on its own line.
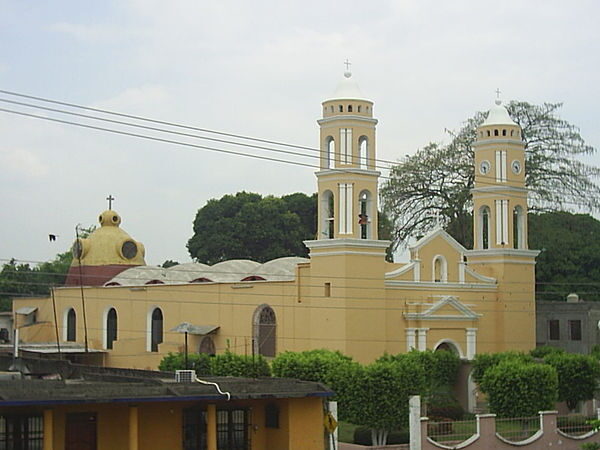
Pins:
<point x="484" y="167"/>
<point x="516" y="166"/>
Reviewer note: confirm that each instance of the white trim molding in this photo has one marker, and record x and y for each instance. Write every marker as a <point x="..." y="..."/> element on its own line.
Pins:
<point x="463" y="312"/>
<point x="471" y="334"/>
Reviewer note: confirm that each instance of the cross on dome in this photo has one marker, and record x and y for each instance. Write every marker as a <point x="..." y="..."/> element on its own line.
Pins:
<point x="498" y="101"/>
<point x="347" y="73"/>
<point x="110" y="199"/>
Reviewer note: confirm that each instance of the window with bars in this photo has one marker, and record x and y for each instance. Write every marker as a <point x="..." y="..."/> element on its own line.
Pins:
<point x="194" y="429"/>
<point x="232" y="429"/>
<point x="21" y="432"/>
<point x="575" y="330"/>
<point x="553" y="330"/>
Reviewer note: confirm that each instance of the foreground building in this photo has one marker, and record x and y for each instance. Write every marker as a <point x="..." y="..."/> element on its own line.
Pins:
<point x="346" y="297"/>
<point x="88" y="408"/>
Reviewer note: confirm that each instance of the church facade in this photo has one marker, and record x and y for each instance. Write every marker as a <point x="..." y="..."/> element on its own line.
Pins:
<point x="345" y="297"/>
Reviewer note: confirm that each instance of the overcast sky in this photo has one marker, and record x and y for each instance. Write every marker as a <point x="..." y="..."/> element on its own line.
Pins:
<point x="260" y="69"/>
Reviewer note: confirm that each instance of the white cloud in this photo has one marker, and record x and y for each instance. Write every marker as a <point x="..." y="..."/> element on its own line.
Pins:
<point x="17" y="162"/>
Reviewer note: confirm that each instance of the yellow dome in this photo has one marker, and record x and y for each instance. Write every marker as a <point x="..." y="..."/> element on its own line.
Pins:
<point x="108" y="245"/>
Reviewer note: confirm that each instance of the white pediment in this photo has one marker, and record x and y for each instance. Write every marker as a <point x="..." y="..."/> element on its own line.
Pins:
<point x="446" y="308"/>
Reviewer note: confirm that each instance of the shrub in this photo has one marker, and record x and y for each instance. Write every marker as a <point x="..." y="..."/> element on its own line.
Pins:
<point x="517" y="389"/>
<point x="442" y="404"/>
<point x="545" y="350"/>
<point x="234" y="365"/>
<point x="200" y="362"/>
<point x="577" y="376"/>
<point x="485" y="361"/>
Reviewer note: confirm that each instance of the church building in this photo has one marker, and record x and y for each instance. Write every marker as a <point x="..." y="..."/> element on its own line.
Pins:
<point x="345" y="296"/>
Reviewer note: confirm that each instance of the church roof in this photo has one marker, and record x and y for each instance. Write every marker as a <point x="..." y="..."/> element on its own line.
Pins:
<point x="281" y="269"/>
<point x="498" y="115"/>
<point x="347" y="89"/>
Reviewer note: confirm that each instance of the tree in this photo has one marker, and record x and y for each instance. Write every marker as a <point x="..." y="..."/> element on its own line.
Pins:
<point x="435" y="183"/>
<point x="248" y="226"/>
<point x="230" y="364"/>
<point x="485" y="361"/>
<point x="200" y="362"/>
<point x="570" y="260"/>
<point x="577" y="376"/>
<point x="380" y="400"/>
<point x="24" y="280"/>
<point x="518" y="389"/>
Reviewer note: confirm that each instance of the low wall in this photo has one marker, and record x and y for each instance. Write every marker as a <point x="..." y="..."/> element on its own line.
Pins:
<point x="548" y="436"/>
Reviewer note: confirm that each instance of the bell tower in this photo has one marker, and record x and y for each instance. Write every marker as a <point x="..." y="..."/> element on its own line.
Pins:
<point x="347" y="179"/>
<point x="499" y="195"/>
<point x="500" y="247"/>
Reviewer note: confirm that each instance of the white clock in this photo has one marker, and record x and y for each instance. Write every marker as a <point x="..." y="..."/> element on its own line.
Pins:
<point x="484" y="167"/>
<point x="516" y="166"/>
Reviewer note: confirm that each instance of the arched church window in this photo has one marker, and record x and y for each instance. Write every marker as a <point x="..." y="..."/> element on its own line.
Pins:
<point x="207" y="346"/>
<point x="503" y="132"/>
<point x="484" y="232"/>
<point x="156" y="329"/>
<point x="341" y="108"/>
<point x="349" y="108"/>
<point x="495" y="132"/>
<point x="359" y="108"/>
<point x="327" y="213"/>
<point x="512" y="132"/>
<point x="111" y="327"/>
<point x="488" y="133"/>
<point x="440" y="269"/>
<point x="364" y="219"/>
<point x="330" y="152"/>
<point x="71" y="335"/>
<point x="363" y="145"/>
<point x="265" y="331"/>
<point x="518" y="225"/>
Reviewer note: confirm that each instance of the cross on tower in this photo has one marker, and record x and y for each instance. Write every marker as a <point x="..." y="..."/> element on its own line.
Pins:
<point x="347" y="64"/>
<point x="110" y="199"/>
<point x="498" y="93"/>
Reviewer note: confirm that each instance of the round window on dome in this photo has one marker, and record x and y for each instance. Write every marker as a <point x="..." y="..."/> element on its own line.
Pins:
<point x="129" y="249"/>
<point x="115" y="219"/>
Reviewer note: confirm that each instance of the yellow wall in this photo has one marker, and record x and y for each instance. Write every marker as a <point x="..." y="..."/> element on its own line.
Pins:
<point x="160" y="423"/>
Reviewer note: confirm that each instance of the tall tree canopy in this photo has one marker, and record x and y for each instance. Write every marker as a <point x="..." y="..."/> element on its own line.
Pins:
<point x="435" y="183"/>
<point x="250" y="226"/>
<point x="570" y="255"/>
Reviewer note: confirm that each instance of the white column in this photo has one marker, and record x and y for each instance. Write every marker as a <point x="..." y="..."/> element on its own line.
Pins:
<point x="422" y="338"/>
<point x="461" y="269"/>
<point x="333" y="409"/>
<point x="411" y="341"/>
<point x="414" y="422"/>
<point x="471" y="342"/>
<point x="417" y="270"/>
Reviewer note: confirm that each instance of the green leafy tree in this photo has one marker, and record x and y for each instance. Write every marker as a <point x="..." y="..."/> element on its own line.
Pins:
<point x="485" y="361"/>
<point x="230" y="364"/>
<point x="436" y="182"/>
<point x="518" y="389"/>
<point x="577" y="376"/>
<point x="545" y="350"/>
<point x="248" y="226"/>
<point x="200" y="362"/>
<point x="380" y="400"/>
<point x="332" y="368"/>
<point x="570" y="259"/>
<point x="169" y="263"/>
<point x="25" y="280"/>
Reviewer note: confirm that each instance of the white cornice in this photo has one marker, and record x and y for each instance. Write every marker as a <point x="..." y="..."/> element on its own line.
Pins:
<point x="504" y="252"/>
<point x="491" y="141"/>
<point x="345" y="172"/>
<point x="401" y="284"/>
<point x="479" y="276"/>
<point x="502" y="188"/>
<point x="327" y="120"/>
<point x="400" y="270"/>
<point x="345" y="243"/>
<point x="464" y="312"/>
